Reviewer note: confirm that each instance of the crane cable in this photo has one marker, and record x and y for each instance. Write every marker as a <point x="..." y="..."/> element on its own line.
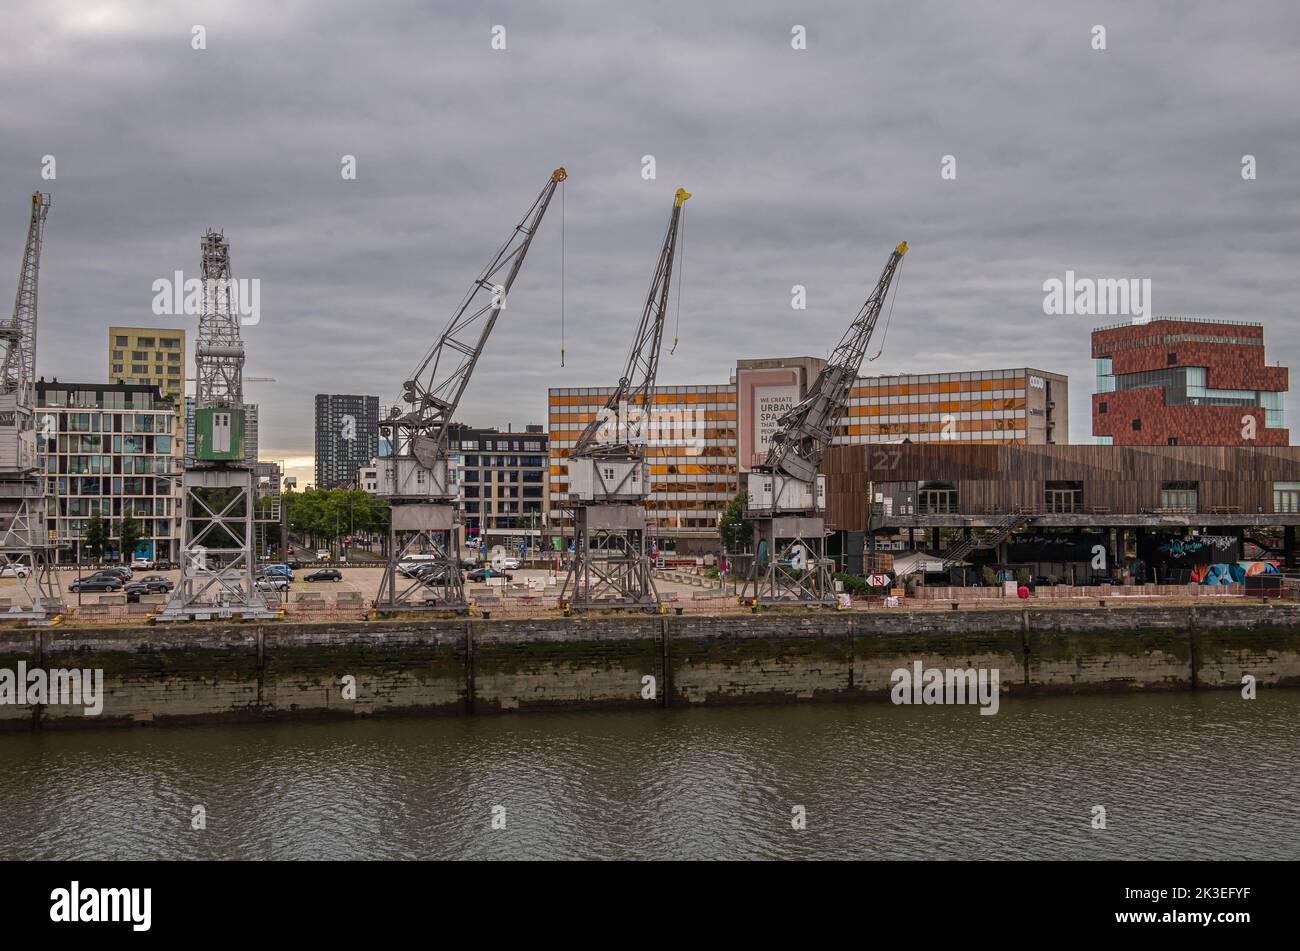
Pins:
<point x="681" y="277"/>
<point x="890" y="316"/>
<point x="561" y="274"/>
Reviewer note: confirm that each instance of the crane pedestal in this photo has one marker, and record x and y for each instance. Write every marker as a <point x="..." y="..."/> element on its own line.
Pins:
<point x="25" y="551"/>
<point x="428" y="530"/>
<point x="611" y="569"/>
<point x="217" y="563"/>
<point x="790" y="564"/>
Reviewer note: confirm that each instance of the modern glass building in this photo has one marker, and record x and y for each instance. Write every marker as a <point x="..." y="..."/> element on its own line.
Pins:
<point x="113" y="450"/>
<point x="347" y="437"/>
<point x="1182" y="381"/>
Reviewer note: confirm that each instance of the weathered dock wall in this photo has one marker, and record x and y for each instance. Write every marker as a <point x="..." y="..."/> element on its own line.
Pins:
<point x="219" y="672"/>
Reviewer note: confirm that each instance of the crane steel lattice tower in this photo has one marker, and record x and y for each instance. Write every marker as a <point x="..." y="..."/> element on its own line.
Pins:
<point x="414" y="476"/>
<point x="25" y="546"/>
<point x="785" y="494"/>
<point x="217" y="493"/>
<point x="609" y="478"/>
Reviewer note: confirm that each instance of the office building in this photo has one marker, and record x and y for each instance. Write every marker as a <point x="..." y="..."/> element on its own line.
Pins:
<point x="148" y="356"/>
<point x="1181" y="381"/>
<point x="702" y="438"/>
<point x="347" y="437"/>
<point x="110" y="449"/>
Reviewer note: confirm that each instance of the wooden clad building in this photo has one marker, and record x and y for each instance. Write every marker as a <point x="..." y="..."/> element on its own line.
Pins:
<point x="917" y="484"/>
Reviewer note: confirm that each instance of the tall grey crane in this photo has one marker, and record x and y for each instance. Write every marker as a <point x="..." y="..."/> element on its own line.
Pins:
<point x="25" y="548"/>
<point x="609" y="478"/>
<point x="218" y="497"/>
<point x="785" y="493"/>
<point x="414" y="476"/>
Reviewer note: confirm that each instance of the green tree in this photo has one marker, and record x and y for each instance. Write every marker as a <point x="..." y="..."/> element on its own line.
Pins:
<point x="734" y="528"/>
<point x="92" y="543"/>
<point x="129" y="534"/>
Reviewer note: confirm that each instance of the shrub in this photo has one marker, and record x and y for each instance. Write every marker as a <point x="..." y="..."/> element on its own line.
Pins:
<point x="854" y="585"/>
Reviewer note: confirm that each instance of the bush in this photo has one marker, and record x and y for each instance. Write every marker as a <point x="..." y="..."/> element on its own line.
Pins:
<point x="854" y="585"/>
<point x="990" y="576"/>
<point x="711" y="572"/>
<point x="1023" y="575"/>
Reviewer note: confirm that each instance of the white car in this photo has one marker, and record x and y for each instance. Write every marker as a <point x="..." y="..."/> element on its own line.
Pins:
<point x="14" y="571"/>
<point x="272" y="583"/>
<point x="511" y="564"/>
<point x="322" y="555"/>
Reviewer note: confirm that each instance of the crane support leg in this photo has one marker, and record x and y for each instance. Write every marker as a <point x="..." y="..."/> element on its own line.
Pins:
<point x="790" y="565"/>
<point x="25" y="552"/>
<point x="611" y="567"/>
<point x="217" y="563"/>
<point x="426" y="529"/>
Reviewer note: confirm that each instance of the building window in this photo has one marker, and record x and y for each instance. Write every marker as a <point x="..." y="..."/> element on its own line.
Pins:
<point x="1286" y="497"/>
<point x="1101" y="407"/>
<point x="1064" y="497"/>
<point x="1137" y="425"/>
<point x="1178" y="496"/>
<point x="121" y="342"/>
<point x="1171" y="358"/>
<point x="1172" y="441"/>
<point x="936" y="498"/>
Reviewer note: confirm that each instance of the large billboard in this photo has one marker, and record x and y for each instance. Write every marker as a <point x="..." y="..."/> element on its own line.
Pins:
<point x="762" y="396"/>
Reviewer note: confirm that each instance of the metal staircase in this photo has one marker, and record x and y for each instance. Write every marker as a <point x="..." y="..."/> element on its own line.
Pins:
<point x="1009" y="523"/>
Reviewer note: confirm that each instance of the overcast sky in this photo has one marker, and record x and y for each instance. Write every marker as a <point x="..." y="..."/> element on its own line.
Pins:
<point x="807" y="167"/>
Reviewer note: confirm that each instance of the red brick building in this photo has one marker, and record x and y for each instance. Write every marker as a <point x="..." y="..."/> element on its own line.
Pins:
<point x="1181" y="381"/>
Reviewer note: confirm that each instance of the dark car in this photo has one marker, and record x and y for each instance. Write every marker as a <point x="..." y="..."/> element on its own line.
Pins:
<point x="293" y="563"/>
<point x="123" y="573"/>
<point x="152" y="584"/>
<point x="108" y="583"/>
<point x="430" y="574"/>
<point x="482" y="574"/>
<point x="325" y="574"/>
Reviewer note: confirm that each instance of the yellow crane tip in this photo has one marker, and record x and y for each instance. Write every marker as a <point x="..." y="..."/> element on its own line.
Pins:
<point x="902" y="248"/>
<point x="559" y="174"/>
<point x="682" y="195"/>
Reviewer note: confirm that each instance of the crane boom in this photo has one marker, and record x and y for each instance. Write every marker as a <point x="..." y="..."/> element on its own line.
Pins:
<point x="18" y="334"/>
<point x="636" y="386"/>
<point x="434" y="391"/>
<point x="805" y="431"/>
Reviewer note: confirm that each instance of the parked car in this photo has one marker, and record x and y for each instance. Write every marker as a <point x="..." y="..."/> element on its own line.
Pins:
<point x="429" y="574"/>
<point x="14" y="571"/>
<point x="122" y="571"/>
<point x="481" y="574"/>
<point x="97" y="583"/>
<point x="151" y="584"/>
<point x="284" y="570"/>
<point x="142" y="564"/>
<point x="469" y="561"/>
<point x="322" y="555"/>
<point x="272" y="583"/>
<point x="511" y="564"/>
<point x="325" y="574"/>
<point x="293" y="564"/>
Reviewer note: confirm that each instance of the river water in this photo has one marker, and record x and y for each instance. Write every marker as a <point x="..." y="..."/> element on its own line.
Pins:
<point x="1199" y="776"/>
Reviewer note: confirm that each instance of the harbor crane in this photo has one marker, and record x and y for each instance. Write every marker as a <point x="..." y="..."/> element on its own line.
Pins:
<point x="786" y="496"/>
<point x="414" y="476"/>
<point x="26" y="549"/>
<point x="609" y="478"/>
<point x="217" y="492"/>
